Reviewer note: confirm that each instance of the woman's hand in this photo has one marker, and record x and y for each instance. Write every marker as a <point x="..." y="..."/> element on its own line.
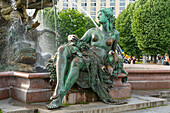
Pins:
<point x="73" y="38"/>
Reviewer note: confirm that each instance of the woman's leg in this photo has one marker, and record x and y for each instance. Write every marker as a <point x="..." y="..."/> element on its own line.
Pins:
<point x="71" y="78"/>
<point x="61" y="65"/>
<point x="73" y="73"/>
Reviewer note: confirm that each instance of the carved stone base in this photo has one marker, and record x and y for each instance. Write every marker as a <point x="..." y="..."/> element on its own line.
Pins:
<point x="4" y="93"/>
<point x="78" y="95"/>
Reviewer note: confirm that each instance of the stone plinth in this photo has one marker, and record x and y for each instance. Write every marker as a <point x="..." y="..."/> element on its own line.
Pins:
<point x="120" y="90"/>
<point x="149" y="79"/>
<point x="26" y="87"/>
<point x="78" y="95"/>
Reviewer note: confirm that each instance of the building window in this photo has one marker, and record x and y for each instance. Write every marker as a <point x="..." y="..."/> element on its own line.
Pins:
<point x="102" y="8"/>
<point x="83" y="0"/>
<point x="112" y="4"/>
<point x="121" y="8"/>
<point x="93" y="4"/>
<point x="92" y="13"/>
<point x="102" y="4"/>
<point x="83" y="4"/>
<point x="131" y="1"/>
<point x="74" y="6"/>
<point x="65" y="4"/>
<point x="122" y="4"/>
<point x="93" y="8"/>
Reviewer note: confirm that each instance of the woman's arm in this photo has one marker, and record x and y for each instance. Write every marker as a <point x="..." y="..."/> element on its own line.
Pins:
<point x="116" y="39"/>
<point x="87" y="36"/>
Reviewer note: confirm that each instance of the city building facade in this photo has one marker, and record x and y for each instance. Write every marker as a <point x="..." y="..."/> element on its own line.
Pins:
<point x="93" y="6"/>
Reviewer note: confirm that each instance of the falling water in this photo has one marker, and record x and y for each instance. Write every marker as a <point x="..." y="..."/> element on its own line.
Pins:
<point x="54" y="14"/>
<point x="13" y="4"/>
<point x="42" y="20"/>
<point x="30" y="12"/>
<point x="47" y="45"/>
<point x="55" y="21"/>
<point x="27" y="3"/>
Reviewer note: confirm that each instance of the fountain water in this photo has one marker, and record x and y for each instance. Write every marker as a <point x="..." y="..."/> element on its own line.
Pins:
<point x="19" y="40"/>
<point x="46" y="45"/>
<point x="13" y="4"/>
<point x="42" y="21"/>
<point x="27" y="3"/>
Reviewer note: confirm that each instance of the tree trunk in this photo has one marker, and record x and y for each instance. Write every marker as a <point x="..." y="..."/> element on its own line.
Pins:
<point x="138" y="58"/>
<point x="154" y="59"/>
<point x="151" y="57"/>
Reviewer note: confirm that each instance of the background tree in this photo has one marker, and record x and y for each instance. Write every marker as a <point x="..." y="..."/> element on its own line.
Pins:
<point x="150" y="26"/>
<point x="114" y="22"/>
<point x="126" y="40"/>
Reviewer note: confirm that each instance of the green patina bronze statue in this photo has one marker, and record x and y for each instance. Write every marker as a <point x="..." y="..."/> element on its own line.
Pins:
<point x="96" y="53"/>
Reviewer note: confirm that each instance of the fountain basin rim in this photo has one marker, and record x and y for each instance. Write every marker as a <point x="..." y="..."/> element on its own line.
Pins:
<point x="24" y="74"/>
<point x="146" y="71"/>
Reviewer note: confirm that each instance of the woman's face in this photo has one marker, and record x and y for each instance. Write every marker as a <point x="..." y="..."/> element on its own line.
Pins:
<point x="102" y="18"/>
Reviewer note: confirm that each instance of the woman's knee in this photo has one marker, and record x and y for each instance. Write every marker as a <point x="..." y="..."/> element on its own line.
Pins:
<point x="61" y="49"/>
<point x="76" y="61"/>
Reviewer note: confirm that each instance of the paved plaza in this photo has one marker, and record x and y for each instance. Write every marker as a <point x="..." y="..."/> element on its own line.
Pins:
<point x="139" y="100"/>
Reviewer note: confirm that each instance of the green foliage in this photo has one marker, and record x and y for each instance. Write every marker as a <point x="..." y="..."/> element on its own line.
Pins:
<point x="126" y="40"/>
<point x="0" y="111"/>
<point x="150" y="26"/>
<point x="64" y="104"/>
<point x="114" y="22"/>
<point x="67" y="22"/>
<point x="84" y="102"/>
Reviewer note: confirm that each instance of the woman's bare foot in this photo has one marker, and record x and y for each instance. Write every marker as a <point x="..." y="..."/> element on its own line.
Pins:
<point x="57" y="95"/>
<point x="54" y="97"/>
<point x="54" y="104"/>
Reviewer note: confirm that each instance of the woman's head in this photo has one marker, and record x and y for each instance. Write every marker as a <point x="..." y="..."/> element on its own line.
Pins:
<point x="108" y="12"/>
<point x="105" y="15"/>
